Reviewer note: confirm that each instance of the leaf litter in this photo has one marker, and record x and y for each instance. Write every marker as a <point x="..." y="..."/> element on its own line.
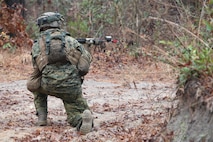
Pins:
<point x="128" y="101"/>
<point x="121" y="113"/>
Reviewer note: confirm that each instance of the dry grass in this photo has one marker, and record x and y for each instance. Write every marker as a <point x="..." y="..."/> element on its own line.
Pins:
<point x="14" y="66"/>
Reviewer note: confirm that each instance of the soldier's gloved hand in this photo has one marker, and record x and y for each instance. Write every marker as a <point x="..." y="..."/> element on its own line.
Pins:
<point x="73" y="55"/>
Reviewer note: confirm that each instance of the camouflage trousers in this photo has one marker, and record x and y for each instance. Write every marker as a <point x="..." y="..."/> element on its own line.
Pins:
<point x="73" y="101"/>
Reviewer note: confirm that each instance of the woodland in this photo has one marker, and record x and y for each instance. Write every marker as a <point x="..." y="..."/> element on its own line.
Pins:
<point x="177" y="34"/>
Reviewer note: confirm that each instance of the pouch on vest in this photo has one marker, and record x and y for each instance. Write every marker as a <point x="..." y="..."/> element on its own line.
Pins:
<point x="34" y="82"/>
<point x="73" y="55"/>
<point x="83" y="65"/>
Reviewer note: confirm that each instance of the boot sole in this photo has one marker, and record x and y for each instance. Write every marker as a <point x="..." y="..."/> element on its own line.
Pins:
<point x="87" y="119"/>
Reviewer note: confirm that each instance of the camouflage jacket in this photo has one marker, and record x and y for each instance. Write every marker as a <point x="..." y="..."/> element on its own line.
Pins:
<point x="58" y="77"/>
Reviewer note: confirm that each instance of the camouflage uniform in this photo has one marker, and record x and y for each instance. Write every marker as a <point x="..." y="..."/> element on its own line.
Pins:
<point x="63" y="81"/>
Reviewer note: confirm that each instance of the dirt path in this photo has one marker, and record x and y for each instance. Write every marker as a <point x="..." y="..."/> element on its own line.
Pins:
<point x="123" y="112"/>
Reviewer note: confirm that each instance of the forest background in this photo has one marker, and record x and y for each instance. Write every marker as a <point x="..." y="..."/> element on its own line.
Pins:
<point x="172" y="38"/>
<point x="169" y="31"/>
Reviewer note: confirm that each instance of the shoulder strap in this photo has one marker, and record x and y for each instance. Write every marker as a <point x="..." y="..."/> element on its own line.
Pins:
<point x="47" y="43"/>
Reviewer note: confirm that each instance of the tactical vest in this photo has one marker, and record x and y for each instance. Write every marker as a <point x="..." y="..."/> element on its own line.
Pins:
<point x="52" y="45"/>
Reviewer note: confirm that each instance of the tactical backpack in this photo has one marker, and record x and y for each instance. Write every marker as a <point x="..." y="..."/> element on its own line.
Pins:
<point x="51" y="44"/>
<point x="55" y="47"/>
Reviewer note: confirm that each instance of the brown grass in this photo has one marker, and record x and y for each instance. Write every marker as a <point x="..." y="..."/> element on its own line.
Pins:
<point x="14" y="66"/>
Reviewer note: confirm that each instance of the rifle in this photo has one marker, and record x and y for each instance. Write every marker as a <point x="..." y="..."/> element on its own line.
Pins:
<point x="95" y="41"/>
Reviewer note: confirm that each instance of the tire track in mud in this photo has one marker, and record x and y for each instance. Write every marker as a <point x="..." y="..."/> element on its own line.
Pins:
<point x="119" y="110"/>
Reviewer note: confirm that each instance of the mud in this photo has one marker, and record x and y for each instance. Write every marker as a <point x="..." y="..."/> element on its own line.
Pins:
<point x="120" y="112"/>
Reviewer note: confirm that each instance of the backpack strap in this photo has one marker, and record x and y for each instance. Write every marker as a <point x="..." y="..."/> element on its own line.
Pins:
<point x="48" y="39"/>
<point x="63" y="34"/>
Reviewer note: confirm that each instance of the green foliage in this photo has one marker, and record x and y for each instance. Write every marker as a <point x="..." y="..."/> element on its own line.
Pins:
<point x="10" y="47"/>
<point x="192" y="58"/>
<point x="32" y="29"/>
<point x="5" y="42"/>
<point x="78" y="27"/>
<point x="98" y="15"/>
<point x="200" y="56"/>
<point x="135" y="52"/>
<point x="191" y="61"/>
<point x="200" y="62"/>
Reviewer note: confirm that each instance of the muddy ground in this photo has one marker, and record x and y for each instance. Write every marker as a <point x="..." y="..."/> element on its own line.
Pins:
<point x="130" y="102"/>
<point x="123" y="112"/>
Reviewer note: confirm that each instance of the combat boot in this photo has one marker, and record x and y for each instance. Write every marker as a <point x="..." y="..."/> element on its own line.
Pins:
<point x="87" y="122"/>
<point x="42" y="119"/>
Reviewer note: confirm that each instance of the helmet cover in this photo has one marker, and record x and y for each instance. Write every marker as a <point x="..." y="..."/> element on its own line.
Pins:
<point x="50" y="19"/>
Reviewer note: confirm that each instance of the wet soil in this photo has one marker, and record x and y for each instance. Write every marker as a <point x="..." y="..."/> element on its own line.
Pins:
<point x="130" y="102"/>
<point x="135" y="111"/>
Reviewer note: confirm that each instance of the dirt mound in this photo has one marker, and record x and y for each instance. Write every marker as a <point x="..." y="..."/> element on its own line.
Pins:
<point x="192" y="120"/>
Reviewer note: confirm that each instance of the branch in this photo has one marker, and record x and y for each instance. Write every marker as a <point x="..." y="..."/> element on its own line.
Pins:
<point x="175" y="24"/>
<point x="201" y="16"/>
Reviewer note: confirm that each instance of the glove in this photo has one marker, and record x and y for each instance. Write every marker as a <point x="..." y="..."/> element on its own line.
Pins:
<point x="73" y="55"/>
<point x="34" y="82"/>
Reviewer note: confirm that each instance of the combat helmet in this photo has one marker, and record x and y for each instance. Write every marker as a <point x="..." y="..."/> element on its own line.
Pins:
<point x="50" y="20"/>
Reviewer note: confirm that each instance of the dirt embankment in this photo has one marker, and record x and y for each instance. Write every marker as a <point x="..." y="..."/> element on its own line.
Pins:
<point x="192" y="120"/>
